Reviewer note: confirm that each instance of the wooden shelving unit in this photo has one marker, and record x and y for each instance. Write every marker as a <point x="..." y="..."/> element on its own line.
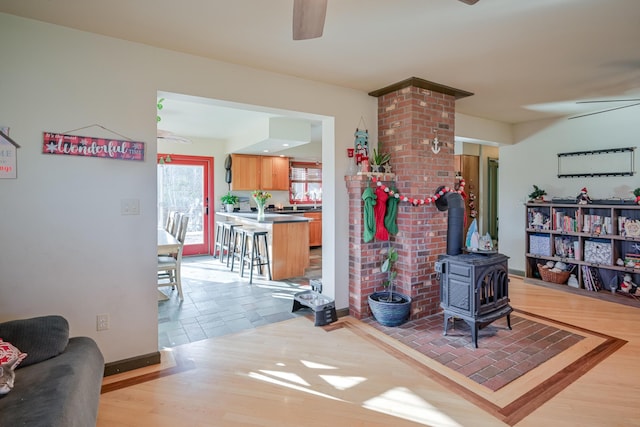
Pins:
<point x="587" y="237"/>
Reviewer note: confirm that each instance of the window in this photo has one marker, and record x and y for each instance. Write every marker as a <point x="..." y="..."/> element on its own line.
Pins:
<point x="306" y="183"/>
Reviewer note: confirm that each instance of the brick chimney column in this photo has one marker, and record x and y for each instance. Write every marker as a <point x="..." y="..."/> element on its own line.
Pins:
<point x="411" y="114"/>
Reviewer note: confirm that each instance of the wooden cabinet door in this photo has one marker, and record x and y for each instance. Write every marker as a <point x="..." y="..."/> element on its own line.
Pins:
<point x="315" y="228"/>
<point x="275" y="173"/>
<point x="245" y="172"/>
<point x="469" y="166"/>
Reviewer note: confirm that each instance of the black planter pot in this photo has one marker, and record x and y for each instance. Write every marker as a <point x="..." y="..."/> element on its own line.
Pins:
<point x="393" y="313"/>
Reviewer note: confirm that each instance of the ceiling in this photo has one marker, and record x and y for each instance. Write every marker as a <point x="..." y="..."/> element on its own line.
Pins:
<point x="523" y="60"/>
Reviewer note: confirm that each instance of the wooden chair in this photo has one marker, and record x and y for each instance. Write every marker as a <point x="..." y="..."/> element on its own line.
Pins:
<point x="171" y="217"/>
<point x="177" y="221"/>
<point x="172" y="226"/>
<point x="169" y="265"/>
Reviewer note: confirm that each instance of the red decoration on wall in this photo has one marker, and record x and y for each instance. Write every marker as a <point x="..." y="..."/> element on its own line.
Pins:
<point x="86" y="146"/>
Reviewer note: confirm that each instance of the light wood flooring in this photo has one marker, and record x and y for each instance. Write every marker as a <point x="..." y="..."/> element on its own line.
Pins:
<point x="294" y="374"/>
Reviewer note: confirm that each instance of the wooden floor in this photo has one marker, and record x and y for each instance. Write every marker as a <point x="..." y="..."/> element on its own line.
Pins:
<point x="294" y="374"/>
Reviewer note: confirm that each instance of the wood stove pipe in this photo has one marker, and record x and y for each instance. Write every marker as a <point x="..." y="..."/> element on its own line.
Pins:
<point x="455" y="221"/>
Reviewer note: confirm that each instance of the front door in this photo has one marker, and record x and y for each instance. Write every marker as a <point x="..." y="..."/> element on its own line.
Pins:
<point x="184" y="186"/>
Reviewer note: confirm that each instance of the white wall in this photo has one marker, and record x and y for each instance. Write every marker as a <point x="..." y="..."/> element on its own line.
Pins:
<point x="533" y="160"/>
<point x="480" y="130"/>
<point x="65" y="246"/>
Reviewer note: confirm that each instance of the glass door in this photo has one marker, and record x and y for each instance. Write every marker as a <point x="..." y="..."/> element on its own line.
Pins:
<point x="184" y="185"/>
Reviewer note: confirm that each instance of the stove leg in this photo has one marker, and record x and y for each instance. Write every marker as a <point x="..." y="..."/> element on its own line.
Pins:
<point x="509" y="321"/>
<point x="474" y="334"/>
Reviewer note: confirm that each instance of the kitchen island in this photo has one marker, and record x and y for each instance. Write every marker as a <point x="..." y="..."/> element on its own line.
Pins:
<point x="288" y="240"/>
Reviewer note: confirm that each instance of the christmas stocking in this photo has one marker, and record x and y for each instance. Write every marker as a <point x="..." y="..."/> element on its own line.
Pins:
<point x="369" y="220"/>
<point x="380" y="209"/>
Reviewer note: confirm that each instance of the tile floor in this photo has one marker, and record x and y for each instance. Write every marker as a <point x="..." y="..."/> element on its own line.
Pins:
<point x="218" y="302"/>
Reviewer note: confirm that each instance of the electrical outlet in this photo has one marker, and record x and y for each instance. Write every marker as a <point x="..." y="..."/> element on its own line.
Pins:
<point x="102" y="322"/>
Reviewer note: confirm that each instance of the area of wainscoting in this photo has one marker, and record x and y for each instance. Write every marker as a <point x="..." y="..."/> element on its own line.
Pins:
<point x="219" y="302"/>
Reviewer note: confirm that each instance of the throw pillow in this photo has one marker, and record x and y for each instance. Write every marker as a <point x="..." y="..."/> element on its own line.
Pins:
<point x="10" y="358"/>
<point x="40" y="337"/>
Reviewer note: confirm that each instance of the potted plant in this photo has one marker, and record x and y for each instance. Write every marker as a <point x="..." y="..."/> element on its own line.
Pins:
<point x="390" y="308"/>
<point x="537" y="193"/>
<point x="229" y="200"/>
<point x="378" y="159"/>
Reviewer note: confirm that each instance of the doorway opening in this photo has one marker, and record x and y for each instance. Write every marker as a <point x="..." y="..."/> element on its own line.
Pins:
<point x="492" y="203"/>
<point x="193" y="127"/>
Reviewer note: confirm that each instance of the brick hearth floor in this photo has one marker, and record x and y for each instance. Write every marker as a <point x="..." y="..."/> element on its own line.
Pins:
<point x="502" y="354"/>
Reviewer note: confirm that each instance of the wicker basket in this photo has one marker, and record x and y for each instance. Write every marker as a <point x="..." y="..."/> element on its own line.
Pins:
<point x="558" y="277"/>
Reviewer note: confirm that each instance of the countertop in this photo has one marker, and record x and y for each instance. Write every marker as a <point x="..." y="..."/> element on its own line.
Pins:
<point x="269" y="218"/>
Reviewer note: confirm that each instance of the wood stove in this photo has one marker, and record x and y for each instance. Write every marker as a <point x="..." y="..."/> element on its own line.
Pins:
<point x="475" y="288"/>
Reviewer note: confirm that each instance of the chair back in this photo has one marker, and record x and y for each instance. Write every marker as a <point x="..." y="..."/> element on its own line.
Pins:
<point x="171" y="219"/>
<point x="181" y="232"/>
<point x="177" y="218"/>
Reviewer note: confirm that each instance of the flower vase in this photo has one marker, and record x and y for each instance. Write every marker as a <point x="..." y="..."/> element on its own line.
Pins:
<point x="260" y="216"/>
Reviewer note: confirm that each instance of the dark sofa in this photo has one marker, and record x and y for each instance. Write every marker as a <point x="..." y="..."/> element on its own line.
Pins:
<point x="58" y="383"/>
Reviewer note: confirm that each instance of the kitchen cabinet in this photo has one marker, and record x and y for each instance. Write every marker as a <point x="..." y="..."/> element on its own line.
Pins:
<point x="315" y="228"/>
<point x="274" y="174"/>
<point x="259" y="173"/>
<point x="244" y="174"/>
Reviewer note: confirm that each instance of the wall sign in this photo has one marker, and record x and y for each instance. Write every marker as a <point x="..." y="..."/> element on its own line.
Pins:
<point x="86" y="146"/>
<point x="8" y="156"/>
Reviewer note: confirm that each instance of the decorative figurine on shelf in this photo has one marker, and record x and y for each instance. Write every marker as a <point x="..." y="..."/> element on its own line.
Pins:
<point x="583" y="198"/>
<point x="627" y="285"/>
<point x="538" y="220"/>
<point x="636" y="193"/>
<point x="536" y="195"/>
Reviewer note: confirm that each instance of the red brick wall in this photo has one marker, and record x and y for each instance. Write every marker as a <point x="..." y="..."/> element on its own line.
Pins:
<point x="408" y="121"/>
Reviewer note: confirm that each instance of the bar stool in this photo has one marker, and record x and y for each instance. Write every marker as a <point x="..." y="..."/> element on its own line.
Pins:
<point x="227" y="231"/>
<point x="259" y="255"/>
<point x="235" y="243"/>
<point x="239" y="246"/>
<point x="218" y="239"/>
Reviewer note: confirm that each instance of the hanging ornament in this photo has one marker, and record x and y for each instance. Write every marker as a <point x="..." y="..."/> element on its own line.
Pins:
<point x="435" y="148"/>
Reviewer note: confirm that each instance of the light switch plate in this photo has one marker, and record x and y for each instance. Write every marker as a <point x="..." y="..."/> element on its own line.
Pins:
<point x="130" y="207"/>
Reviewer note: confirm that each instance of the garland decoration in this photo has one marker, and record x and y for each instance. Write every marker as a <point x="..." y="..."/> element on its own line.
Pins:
<point x="415" y="201"/>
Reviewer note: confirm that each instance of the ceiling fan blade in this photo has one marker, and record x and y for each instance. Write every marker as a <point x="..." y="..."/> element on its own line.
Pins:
<point x="608" y="100"/>
<point x="469" y="2"/>
<point x="171" y="137"/>
<point x="604" y="111"/>
<point x="308" y="18"/>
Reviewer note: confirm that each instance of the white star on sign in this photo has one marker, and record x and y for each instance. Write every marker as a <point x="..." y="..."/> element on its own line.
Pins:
<point x="52" y="147"/>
